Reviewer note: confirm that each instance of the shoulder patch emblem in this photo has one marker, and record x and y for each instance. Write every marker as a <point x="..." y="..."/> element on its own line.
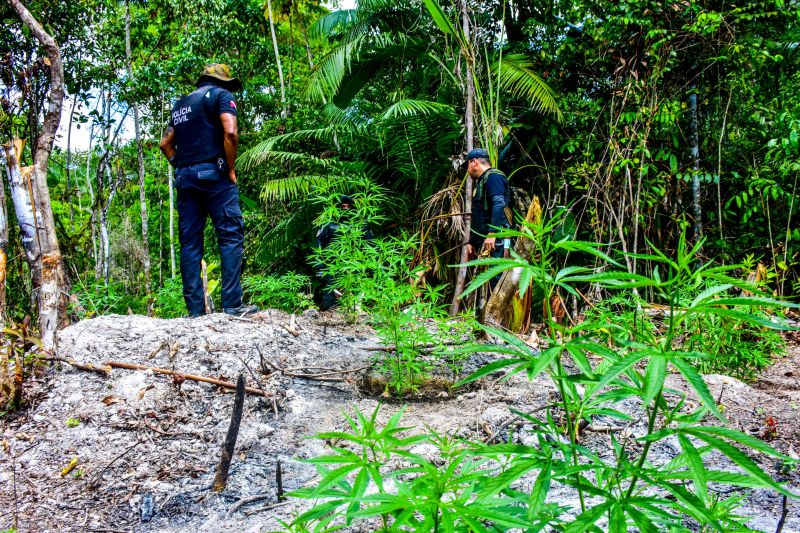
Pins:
<point x="233" y="104"/>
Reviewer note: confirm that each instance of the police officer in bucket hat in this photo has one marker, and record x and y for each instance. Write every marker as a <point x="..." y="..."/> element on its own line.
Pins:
<point x="201" y="143"/>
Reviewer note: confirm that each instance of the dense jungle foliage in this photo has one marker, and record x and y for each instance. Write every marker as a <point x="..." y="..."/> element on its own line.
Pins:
<point x="615" y="110"/>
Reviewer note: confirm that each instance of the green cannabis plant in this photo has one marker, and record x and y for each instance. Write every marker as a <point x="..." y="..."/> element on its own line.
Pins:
<point x="290" y="292"/>
<point x="373" y="477"/>
<point x="379" y="278"/>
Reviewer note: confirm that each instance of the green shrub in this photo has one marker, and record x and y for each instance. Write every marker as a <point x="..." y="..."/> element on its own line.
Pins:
<point x="99" y="299"/>
<point x="377" y="277"/>
<point x="730" y="345"/>
<point x="736" y="348"/>
<point x="289" y="292"/>
<point x="169" y="299"/>
<point x="373" y="476"/>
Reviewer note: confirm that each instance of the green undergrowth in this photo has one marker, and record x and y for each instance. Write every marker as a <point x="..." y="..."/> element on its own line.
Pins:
<point x="728" y="344"/>
<point x="371" y="479"/>
<point x="379" y="282"/>
<point x="290" y="292"/>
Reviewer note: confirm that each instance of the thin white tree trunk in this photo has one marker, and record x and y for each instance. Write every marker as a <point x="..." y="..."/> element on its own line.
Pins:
<point x="277" y="57"/>
<point x="92" y="218"/>
<point x="308" y="46"/>
<point x="469" y="123"/>
<point x="698" y="215"/>
<point x="171" y="208"/>
<point x="22" y="200"/>
<point x="3" y="252"/>
<point x="69" y="164"/>
<point x="140" y="160"/>
<point x="24" y="209"/>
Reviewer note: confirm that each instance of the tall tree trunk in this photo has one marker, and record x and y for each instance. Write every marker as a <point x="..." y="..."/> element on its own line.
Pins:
<point x="308" y="45"/>
<point x="171" y="207"/>
<point x="4" y="239"/>
<point x="291" y="52"/>
<point x="113" y="185"/>
<point x="92" y="219"/>
<point x="19" y="186"/>
<point x="68" y="164"/>
<point x="53" y="288"/>
<point x="469" y="122"/>
<point x="140" y="162"/>
<point x="277" y="57"/>
<point x="697" y="226"/>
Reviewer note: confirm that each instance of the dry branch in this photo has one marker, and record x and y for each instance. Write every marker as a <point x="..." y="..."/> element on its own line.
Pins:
<point x="80" y="366"/>
<point x="217" y="382"/>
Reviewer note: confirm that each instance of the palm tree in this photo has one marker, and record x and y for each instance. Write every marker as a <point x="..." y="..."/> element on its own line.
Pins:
<point x="411" y="146"/>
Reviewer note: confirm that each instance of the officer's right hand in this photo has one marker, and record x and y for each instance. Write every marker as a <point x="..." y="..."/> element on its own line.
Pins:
<point x="232" y="176"/>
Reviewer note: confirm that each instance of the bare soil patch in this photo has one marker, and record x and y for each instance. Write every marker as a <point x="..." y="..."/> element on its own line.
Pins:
<point x="147" y="445"/>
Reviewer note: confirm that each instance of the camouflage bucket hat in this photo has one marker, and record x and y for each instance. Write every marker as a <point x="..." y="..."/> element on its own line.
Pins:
<point x="221" y="73"/>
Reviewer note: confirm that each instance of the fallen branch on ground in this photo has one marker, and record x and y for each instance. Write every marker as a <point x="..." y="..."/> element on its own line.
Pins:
<point x="290" y="329"/>
<point x="218" y="382"/>
<point x="328" y="371"/>
<point x="80" y="366"/>
<point x="321" y="376"/>
<point x="251" y="499"/>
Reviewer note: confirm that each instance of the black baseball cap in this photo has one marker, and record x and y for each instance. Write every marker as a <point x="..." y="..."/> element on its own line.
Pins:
<point x="477" y="153"/>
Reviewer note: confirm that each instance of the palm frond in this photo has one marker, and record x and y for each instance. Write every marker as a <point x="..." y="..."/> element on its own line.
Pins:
<point x="285" y="189"/>
<point x="410" y="108"/>
<point x="327" y="75"/>
<point x="258" y="156"/>
<point x="516" y="76"/>
<point x="441" y="212"/>
<point x="348" y="67"/>
<point x="248" y="159"/>
<point x="347" y="120"/>
<point x="330" y="22"/>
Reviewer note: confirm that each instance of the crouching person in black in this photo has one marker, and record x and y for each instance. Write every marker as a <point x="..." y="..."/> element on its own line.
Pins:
<point x="327" y="234"/>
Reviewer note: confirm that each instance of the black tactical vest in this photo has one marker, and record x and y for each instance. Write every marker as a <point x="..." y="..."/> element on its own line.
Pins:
<point x="199" y="137"/>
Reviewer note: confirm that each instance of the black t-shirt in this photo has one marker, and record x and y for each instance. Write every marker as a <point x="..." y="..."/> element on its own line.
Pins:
<point x="484" y="215"/>
<point x="199" y="137"/>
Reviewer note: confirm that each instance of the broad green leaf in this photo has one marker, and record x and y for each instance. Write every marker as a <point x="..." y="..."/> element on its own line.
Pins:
<point x="747" y="464"/>
<point x="698" y="384"/>
<point x="588" y="518"/>
<point x="695" y="463"/>
<point x="654" y="377"/>
<point x="616" y="519"/>
<point x="488" y="369"/>
<point x="614" y="371"/>
<point x="709" y="293"/>
<point x="440" y="18"/>
<point x="737" y="436"/>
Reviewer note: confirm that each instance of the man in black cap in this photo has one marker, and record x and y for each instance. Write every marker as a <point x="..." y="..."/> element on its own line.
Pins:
<point x="201" y="143"/>
<point x="491" y="196"/>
